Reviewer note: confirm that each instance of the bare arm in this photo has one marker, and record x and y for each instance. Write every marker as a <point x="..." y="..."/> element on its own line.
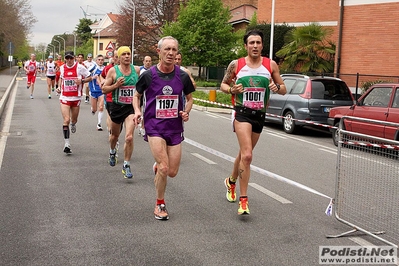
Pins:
<point x="277" y="80"/>
<point x="137" y="109"/>
<point x="189" y="104"/>
<point x="109" y="84"/>
<point x="191" y="77"/>
<point x="229" y="78"/>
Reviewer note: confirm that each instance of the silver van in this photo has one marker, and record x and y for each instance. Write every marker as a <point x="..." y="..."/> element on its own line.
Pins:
<point x="309" y="99"/>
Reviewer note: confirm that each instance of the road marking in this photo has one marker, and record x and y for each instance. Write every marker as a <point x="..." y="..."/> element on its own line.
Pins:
<point x="203" y="158"/>
<point x="211" y="115"/>
<point x="255" y="168"/>
<point x="364" y="243"/>
<point x="269" y="193"/>
<point x="217" y="115"/>
<point x="329" y="151"/>
<point x="276" y="135"/>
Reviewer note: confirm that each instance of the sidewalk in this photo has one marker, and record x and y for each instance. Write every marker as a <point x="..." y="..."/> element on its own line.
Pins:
<point x="6" y="78"/>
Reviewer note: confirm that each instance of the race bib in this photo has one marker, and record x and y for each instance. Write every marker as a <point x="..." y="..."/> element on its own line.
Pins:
<point x="167" y="106"/>
<point x="31" y="68"/>
<point x="254" y="98"/>
<point x="70" y="85"/>
<point x="125" y="94"/>
<point x="51" y="71"/>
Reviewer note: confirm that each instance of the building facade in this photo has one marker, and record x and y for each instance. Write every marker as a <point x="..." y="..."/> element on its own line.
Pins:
<point x="365" y="31"/>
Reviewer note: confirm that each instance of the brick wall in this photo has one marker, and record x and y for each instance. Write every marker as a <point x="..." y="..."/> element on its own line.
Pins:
<point x="370" y="39"/>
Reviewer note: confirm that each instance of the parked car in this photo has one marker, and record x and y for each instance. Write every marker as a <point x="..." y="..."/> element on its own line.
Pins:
<point x="307" y="98"/>
<point x="379" y="102"/>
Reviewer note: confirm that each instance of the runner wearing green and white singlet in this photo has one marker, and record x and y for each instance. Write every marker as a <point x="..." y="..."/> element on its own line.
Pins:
<point x="255" y="82"/>
<point x="250" y="81"/>
<point x="121" y="82"/>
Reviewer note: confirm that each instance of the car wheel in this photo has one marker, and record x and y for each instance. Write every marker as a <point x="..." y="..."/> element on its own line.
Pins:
<point x="289" y="123"/>
<point x="335" y="134"/>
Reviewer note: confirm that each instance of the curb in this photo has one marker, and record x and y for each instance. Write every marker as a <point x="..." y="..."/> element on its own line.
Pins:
<point x="4" y="98"/>
<point x="212" y="109"/>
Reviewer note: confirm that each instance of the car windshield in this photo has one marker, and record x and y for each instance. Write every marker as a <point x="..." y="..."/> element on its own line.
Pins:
<point x="330" y="90"/>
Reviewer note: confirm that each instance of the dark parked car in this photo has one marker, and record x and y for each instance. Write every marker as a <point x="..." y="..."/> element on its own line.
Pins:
<point x="307" y="98"/>
<point x="380" y="102"/>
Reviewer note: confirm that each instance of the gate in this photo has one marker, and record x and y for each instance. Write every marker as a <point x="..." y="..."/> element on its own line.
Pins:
<point x="367" y="183"/>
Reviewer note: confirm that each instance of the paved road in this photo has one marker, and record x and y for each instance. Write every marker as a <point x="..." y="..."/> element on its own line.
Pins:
<point x="77" y="210"/>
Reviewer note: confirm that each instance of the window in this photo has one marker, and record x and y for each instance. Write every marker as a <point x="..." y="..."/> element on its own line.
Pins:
<point x="101" y="46"/>
<point x="378" y="97"/>
<point x="299" y="87"/>
<point x="396" y="99"/>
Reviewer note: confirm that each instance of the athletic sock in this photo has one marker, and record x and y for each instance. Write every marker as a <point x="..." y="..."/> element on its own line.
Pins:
<point x="100" y="117"/>
<point x="160" y="201"/>
<point x="65" y="130"/>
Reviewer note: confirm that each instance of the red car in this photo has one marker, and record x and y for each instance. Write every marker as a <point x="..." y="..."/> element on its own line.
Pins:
<point x="380" y="102"/>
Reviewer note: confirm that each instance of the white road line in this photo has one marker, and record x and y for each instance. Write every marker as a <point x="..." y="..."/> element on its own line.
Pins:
<point x="203" y="158"/>
<point x="364" y="243"/>
<point x="255" y="168"/>
<point x="276" y="135"/>
<point x="329" y="151"/>
<point x="211" y="115"/>
<point x="269" y="193"/>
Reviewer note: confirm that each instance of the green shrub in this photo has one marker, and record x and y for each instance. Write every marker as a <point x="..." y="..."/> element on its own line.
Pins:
<point x="365" y="85"/>
<point x="204" y="95"/>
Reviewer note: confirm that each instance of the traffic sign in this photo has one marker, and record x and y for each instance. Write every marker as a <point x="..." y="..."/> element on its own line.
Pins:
<point x="110" y="46"/>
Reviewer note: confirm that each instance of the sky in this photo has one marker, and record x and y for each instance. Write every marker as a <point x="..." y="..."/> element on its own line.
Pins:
<point x="59" y="16"/>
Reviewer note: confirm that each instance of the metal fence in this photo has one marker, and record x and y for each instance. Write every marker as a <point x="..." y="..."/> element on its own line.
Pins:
<point x="367" y="184"/>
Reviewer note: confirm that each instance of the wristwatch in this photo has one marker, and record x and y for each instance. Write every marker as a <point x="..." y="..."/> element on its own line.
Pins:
<point x="278" y="86"/>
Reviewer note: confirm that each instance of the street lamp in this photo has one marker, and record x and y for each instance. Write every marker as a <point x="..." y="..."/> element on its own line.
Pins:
<point x="74" y="42"/>
<point x="134" y="19"/>
<point x="59" y="46"/>
<point x="53" y="46"/>
<point x="272" y="32"/>
<point x="63" y="40"/>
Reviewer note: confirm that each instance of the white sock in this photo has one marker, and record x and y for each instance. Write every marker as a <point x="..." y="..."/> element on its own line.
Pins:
<point x="100" y="117"/>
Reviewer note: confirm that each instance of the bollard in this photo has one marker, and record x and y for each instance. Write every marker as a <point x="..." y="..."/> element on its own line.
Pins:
<point x="212" y="95"/>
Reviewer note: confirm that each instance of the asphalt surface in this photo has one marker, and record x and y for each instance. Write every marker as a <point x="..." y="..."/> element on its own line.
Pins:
<point x="59" y="209"/>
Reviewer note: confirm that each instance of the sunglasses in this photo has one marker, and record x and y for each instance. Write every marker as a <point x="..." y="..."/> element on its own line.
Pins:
<point x="68" y="57"/>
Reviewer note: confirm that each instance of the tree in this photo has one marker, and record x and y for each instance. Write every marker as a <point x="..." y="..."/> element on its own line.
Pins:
<point x="16" y="21"/>
<point x="308" y="49"/>
<point x="278" y="39"/>
<point x="204" y="34"/>
<point x="150" y="16"/>
<point x="83" y="30"/>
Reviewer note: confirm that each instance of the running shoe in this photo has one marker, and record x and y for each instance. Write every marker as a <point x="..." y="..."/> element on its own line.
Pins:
<point x="126" y="172"/>
<point x="52" y="89"/>
<point x="99" y="128"/>
<point x="160" y="212"/>
<point x="139" y="126"/>
<point x="31" y="96"/>
<point x="141" y="131"/>
<point x="27" y="87"/>
<point x="67" y="148"/>
<point x="155" y="168"/>
<point x="243" y="206"/>
<point x="73" y="128"/>
<point x="231" y="190"/>
<point x="112" y="159"/>
<point x="49" y="96"/>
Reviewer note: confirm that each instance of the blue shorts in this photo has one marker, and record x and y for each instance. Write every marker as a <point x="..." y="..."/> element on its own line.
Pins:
<point x="96" y="94"/>
<point x="171" y="139"/>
